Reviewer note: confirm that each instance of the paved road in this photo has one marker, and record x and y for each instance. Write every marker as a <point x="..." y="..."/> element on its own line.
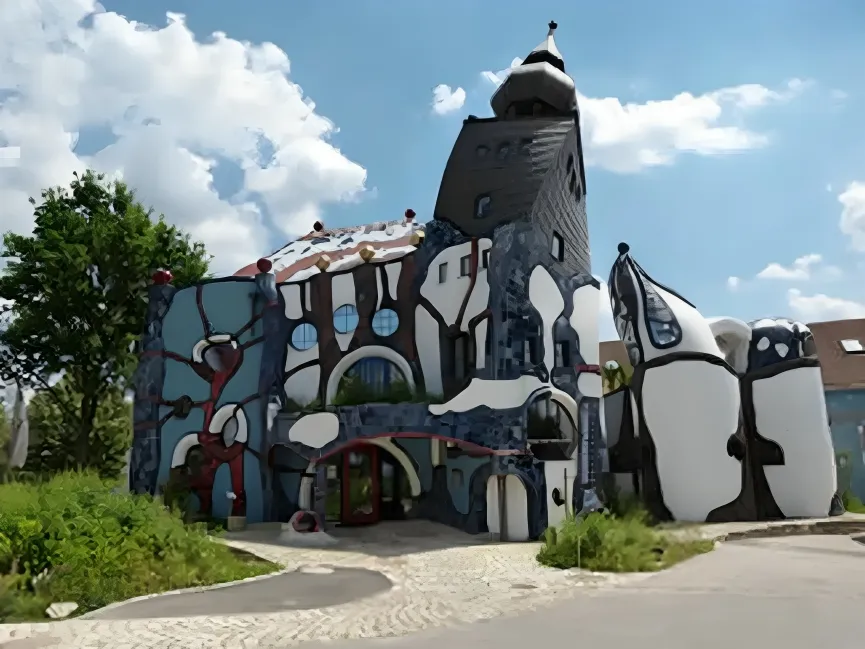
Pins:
<point x="795" y="593"/>
<point x="298" y="590"/>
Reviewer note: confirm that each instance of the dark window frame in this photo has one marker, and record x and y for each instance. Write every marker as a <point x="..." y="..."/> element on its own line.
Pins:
<point x="443" y="272"/>
<point x="483" y="209"/>
<point x="466" y="266"/>
<point x="557" y="247"/>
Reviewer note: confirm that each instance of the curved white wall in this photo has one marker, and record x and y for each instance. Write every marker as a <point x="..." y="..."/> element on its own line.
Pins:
<point x="691" y="409"/>
<point x="370" y="351"/>
<point x="517" y="507"/>
<point x="791" y="410"/>
<point x="559" y="475"/>
<point x="493" y="522"/>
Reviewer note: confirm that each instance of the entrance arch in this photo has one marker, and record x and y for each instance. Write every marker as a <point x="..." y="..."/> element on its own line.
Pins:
<point x="304" y="500"/>
<point x="370" y="351"/>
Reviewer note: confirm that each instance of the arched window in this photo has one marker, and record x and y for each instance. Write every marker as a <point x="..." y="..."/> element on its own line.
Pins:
<point x="304" y="336"/>
<point x="345" y="319"/>
<point x="385" y="322"/>
<point x="483" y="206"/>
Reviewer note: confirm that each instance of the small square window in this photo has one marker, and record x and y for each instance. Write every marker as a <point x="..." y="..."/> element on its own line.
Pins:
<point x="485" y="259"/>
<point x="466" y="266"/>
<point x="557" y="248"/>
<point x="852" y="346"/>
<point x="443" y="273"/>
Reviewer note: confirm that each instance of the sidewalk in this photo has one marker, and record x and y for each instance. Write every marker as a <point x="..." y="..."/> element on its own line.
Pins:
<point x="440" y="577"/>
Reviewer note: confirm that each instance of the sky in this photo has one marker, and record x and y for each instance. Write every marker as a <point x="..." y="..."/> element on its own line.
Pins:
<point x="725" y="142"/>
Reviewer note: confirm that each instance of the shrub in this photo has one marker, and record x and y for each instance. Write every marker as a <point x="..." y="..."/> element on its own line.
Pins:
<point x="611" y="543"/>
<point x="74" y="539"/>
<point x="852" y="504"/>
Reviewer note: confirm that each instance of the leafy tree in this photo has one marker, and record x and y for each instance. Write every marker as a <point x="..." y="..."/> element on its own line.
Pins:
<point x="78" y="291"/>
<point x="5" y="435"/>
<point x="53" y="450"/>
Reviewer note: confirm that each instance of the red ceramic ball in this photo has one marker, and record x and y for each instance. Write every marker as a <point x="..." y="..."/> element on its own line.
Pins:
<point x="162" y="277"/>
<point x="264" y="265"/>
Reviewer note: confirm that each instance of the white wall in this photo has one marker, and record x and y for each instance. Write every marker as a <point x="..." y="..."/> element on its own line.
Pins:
<point x="493" y="522"/>
<point x="517" y="506"/>
<point x="791" y="410"/>
<point x="691" y="409"/>
<point x="447" y="296"/>
<point x="584" y="321"/>
<point x="559" y="475"/>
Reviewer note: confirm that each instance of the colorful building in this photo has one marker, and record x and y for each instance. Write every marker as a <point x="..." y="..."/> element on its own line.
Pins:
<point x="445" y="370"/>
<point x="841" y="349"/>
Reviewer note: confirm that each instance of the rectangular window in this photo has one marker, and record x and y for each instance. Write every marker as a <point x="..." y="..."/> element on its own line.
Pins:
<point x="852" y="346"/>
<point x="443" y="272"/>
<point x="466" y="266"/>
<point x="563" y="354"/>
<point x="557" y="248"/>
<point x="485" y="259"/>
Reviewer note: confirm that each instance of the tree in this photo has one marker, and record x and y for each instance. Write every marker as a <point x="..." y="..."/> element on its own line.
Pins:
<point x="53" y="450"/>
<point x="78" y="292"/>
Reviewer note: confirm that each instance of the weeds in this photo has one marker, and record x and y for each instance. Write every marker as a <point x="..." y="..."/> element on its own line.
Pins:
<point x="74" y="539"/>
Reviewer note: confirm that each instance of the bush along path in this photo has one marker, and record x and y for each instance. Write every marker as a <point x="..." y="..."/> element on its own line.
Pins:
<point x="74" y="541"/>
<point x="609" y="542"/>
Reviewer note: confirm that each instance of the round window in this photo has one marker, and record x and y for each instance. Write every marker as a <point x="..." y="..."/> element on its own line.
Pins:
<point x="304" y="336"/>
<point x="345" y="319"/>
<point x="385" y="322"/>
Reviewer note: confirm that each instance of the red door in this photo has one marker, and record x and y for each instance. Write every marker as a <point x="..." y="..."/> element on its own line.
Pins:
<point x="361" y="486"/>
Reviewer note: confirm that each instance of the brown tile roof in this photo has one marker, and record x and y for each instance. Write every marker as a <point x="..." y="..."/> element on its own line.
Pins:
<point x="840" y="369"/>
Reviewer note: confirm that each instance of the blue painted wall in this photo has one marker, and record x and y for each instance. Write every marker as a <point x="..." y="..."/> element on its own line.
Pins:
<point x="847" y="412"/>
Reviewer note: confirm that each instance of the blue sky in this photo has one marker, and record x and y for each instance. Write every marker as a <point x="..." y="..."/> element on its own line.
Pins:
<point x="693" y="222"/>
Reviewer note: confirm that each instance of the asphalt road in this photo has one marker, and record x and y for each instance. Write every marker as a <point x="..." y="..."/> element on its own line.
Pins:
<point x="792" y="593"/>
<point x="286" y="592"/>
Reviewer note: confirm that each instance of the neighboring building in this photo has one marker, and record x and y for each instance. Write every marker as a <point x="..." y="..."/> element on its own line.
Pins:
<point x="841" y="350"/>
<point x="446" y="370"/>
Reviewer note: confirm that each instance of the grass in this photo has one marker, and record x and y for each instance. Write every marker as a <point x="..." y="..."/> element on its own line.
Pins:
<point x="72" y="539"/>
<point x="852" y="504"/>
<point x="623" y="540"/>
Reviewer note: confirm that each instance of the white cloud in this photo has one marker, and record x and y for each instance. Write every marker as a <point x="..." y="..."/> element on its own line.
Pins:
<point x="177" y="107"/>
<point x="801" y="269"/>
<point x="820" y="307"/>
<point x="629" y="137"/>
<point x="853" y="214"/>
<point x="838" y="95"/>
<point x="733" y="283"/>
<point x="447" y="100"/>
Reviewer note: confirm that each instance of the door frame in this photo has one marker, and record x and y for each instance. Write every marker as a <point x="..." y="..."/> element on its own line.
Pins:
<point x="347" y="517"/>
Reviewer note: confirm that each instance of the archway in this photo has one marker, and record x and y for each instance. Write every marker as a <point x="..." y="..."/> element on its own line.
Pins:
<point x="370" y="351"/>
<point x="372" y="380"/>
<point x="386" y="444"/>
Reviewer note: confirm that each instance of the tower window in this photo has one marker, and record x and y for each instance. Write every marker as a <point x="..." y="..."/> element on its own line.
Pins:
<point x="443" y="273"/>
<point x="466" y="266"/>
<point x="483" y="206"/>
<point x="557" y="249"/>
<point x="572" y="184"/>
<point x="504" y="150"/>
<point x="526" y="147"/>
<point x="485" y="259"/>
<point x="570" y="165"/>
<point x="482" y="151"/>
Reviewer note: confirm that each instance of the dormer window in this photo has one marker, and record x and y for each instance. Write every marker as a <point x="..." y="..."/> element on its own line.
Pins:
<point x="852" y="346"/>
<point x="483" y="206"/>
<point x="557" y="248"/>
